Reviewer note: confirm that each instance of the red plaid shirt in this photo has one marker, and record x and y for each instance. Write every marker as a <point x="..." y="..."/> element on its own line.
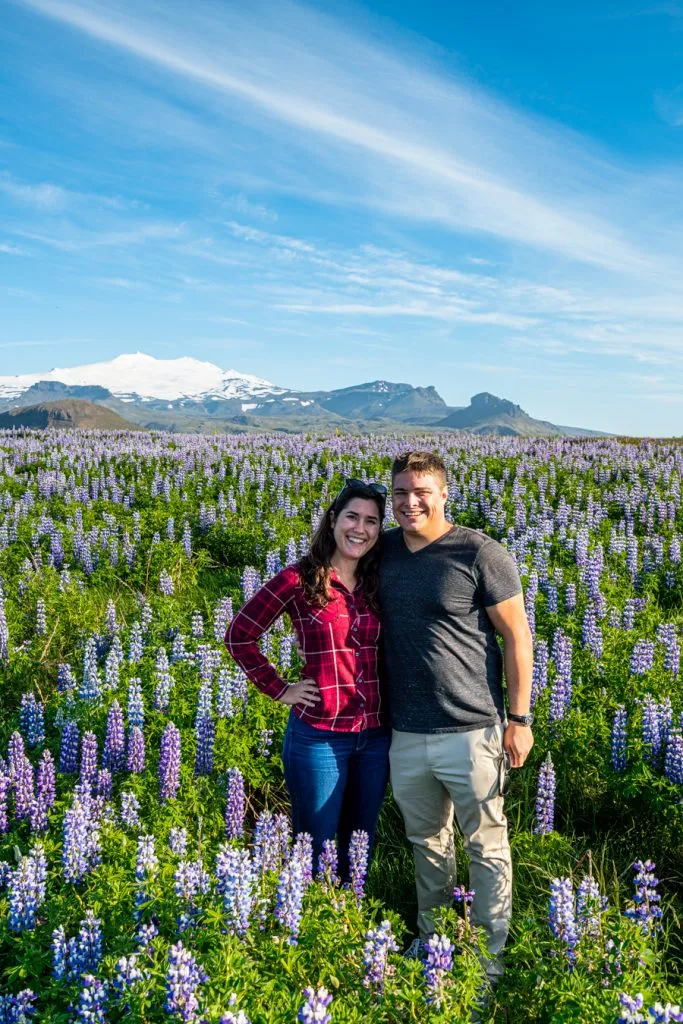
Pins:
<point x="340" y="644"/>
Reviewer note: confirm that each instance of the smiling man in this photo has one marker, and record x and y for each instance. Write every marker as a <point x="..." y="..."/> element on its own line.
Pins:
<point x="446" y="593"/>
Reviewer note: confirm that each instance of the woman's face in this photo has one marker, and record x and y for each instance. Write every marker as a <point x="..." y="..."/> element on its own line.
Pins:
<point x="356" y="528"/>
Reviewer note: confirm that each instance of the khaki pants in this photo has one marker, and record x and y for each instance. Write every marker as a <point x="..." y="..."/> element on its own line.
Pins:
<point x="433" y="777"/>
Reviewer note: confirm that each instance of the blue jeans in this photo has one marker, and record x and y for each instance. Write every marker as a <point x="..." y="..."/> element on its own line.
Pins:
<point x="336" y="783"/>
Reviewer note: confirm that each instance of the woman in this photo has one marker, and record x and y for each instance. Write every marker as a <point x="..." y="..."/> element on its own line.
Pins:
<point x="336" y="748"/>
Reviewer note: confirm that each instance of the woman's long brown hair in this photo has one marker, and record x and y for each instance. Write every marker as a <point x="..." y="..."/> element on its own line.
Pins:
<point x="316" y="566"/>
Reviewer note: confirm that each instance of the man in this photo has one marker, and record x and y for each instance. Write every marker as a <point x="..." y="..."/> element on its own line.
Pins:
<point x="446" y="591"/>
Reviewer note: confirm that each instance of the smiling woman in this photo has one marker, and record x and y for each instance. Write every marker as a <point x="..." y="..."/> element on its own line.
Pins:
<point x="336" y="746"/>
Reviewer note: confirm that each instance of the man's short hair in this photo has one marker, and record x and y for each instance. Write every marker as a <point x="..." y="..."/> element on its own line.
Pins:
<point x="420" y="462"/>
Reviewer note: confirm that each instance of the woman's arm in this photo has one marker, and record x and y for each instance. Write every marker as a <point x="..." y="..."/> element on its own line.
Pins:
<point x="247" y="628"/>
<point x="249" y="625"/>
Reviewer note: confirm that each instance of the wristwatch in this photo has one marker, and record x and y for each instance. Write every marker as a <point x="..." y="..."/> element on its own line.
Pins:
<point x="522" y="719"/>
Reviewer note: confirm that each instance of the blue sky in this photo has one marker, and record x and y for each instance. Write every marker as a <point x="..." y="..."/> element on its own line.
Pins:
<point x="475" y="196"/>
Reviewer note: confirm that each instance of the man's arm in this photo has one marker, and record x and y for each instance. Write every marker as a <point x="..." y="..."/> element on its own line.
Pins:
<point x="509" y="618"/>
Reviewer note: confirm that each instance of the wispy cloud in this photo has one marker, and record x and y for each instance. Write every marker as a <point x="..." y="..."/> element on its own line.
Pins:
<point x="12" y="250"/>
<point x="41" y="197"/>
<point x="453" y="154"/>
<point x="669" y="106"/>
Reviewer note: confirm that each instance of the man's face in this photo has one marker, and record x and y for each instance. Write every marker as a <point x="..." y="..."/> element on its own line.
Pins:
<point x="419" y="501"/>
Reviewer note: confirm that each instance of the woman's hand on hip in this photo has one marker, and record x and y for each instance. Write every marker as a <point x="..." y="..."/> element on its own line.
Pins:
<point x="306" y="692"/>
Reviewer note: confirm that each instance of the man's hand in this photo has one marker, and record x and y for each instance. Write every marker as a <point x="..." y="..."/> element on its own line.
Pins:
<point x="518" y="741"/>
<point x="306" y="692"/>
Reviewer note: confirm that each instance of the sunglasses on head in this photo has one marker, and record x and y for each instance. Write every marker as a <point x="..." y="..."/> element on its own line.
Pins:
<point x="353" y="484"/>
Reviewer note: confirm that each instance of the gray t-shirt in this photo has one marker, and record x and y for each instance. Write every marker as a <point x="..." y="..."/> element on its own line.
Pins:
<point x="444" y="665"/>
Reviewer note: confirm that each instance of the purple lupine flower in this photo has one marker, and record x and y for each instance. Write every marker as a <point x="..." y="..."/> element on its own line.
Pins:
<point x="68" y="751"/>
<point x="438" y="962"/>
<point x="236" y="883"/>
<point x="177" y="841"/>
<point x="130" y="809"/>
<point x="283" y="835"/>
<point x="127" y="975"/>
<point x="18" y="1009"/>
<point x="265" y="742"/>
<point x="464" y="897"/>
<point x="645" y="909"/>
<point x="197" y="625"/>
<point x="91" y="684"/>
<point x="92" y="1002"/>
<point x="45" y="793"/>
<point x="4" y="632"/>
<point x="111" y="625"/>
<point x="88" y="757"/>
<point x="266" y="844"/>
<point x="653" y="737"/>
<point x="379" y="942"/>
<point x="136" y="708"/>
<point x="562" y="916"/>
<point x="224" y="700"/>
<point x="164" y="680"/>
<point x="183" y="979"/>
<point x="85" y="953"/>
<point x="135" y="644"/>
<point x="539" y="680"/>
<point x="26" y="888"/>
<point x="234" y="1018"/>
<point x="66" y="680"/>
<point x="673" y="757"/>
<point x="169" y="763"/>
<point x="114" y="753"/>
<point x="592" y="634"/>
<point x="21" y="778"/>
<point x="315" y="1006"/>
<point x="81" y="844"/>
<point x="590" y="905"/>
<point x="205" y="732"/>
<point x="303" y="851"/>
<point x="104" y="784"/>
<point x="290" y="894"/>
<point x="628" y="620"/>
<point x="191" y="880"/>
<point x="60" y="954"/>
<point x="32" y="720"/>
<point x="328" y="863"/>
<point x="235" y="805"/>
<point x="136" y="751"/>
<point x="359" y="851"/>
<point x="222" y="616"/>
<point x="545" y="798"/>
<point x="642" y="657"/>
<point x="4" y="800"/>
<point x="165" y="584"/>
<point x="144" y="937"/>
<point x="146" y="860"/>
<point x="619" y="758"/>
<point x="666" y="634"/>
<point x="111" y="671"/>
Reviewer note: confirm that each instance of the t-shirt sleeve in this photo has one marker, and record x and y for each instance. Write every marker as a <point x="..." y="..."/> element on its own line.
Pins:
<point x="496" y="574"/>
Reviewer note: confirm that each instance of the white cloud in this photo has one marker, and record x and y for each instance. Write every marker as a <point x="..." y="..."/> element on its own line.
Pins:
<point x="42" y="197"/>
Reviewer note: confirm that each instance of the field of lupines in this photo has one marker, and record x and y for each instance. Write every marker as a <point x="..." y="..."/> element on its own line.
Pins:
<point x="147" y="870"/>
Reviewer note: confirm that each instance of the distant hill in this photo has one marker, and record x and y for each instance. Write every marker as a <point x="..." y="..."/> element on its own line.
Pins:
<point x="67" y="413"/>
<point x="186" y="395"/>
<point x="382" y="400"/>
<point x="488" y="414"/>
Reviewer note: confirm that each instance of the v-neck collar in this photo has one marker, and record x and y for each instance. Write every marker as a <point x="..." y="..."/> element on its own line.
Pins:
<point x="431" y="544"/>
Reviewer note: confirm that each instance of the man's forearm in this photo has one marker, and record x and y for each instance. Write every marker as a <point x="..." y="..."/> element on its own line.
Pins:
<point x="519" y="666"/>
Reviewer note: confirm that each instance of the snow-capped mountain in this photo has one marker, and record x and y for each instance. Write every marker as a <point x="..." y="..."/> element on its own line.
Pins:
<point x="139" y="377"/>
